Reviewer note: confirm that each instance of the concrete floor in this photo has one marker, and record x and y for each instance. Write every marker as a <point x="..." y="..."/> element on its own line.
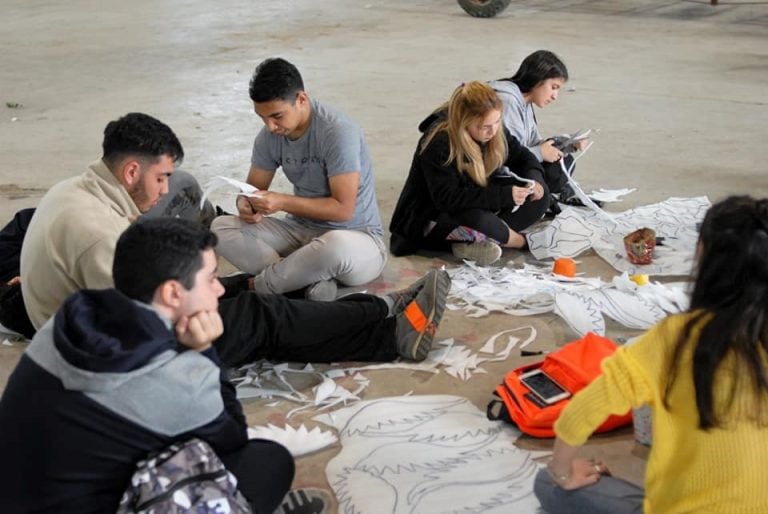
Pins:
<point x="676" y="89"/>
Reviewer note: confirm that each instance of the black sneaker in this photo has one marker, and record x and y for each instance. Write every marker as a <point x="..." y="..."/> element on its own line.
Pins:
<point x="575" y="201"/>
<point x="308" y="500"/>
<point x="235" y="284"/>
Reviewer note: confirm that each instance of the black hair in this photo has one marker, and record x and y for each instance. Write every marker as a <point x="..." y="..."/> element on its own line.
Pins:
<point x="538" y="67"/>
<point x="142" y="136"/>
<point x="730" y="302"/>
<point x="275" y="79"/>
<point x="154" y="250"/>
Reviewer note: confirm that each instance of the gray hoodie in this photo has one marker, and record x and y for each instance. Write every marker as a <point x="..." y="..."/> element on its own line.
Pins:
<point x="519" y="118"/>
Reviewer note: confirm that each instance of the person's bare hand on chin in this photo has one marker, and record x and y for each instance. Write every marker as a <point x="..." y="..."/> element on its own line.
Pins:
<point x="198" y="331"/>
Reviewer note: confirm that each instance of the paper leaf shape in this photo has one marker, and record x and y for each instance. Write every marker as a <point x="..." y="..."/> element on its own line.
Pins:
<point x="299" y="442"/>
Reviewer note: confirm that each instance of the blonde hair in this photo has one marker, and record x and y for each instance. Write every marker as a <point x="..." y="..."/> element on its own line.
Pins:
<point x="468" y="103"/>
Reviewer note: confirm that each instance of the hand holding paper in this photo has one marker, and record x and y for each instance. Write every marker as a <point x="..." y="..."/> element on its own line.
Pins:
<point x="220" y="182"/>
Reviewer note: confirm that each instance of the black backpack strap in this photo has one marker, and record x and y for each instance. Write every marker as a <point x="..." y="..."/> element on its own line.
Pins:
<point x="496" y="410"/>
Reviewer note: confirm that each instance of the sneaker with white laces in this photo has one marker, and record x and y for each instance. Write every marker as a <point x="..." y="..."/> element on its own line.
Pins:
<point x="322" y="291"/>
<point x="482" y="252"/>
<point x="307" y="500"/>
<point x="417" y="324"/>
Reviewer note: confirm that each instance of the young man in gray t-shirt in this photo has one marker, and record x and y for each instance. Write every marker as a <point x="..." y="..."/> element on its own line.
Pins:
<point x="331" y="231"/>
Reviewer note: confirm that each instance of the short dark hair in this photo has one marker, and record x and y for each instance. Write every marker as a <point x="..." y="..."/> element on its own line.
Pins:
<point x="154" y="250"/>
<point x="275" y="79"/>
<point x="538" y="67"/>
<point x="139" y="135"/>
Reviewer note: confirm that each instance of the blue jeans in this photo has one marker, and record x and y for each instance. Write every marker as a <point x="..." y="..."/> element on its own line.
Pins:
<point x="609" y="495"/>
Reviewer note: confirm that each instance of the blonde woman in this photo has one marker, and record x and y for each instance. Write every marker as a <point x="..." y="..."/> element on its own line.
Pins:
<point x="472" y="187"/>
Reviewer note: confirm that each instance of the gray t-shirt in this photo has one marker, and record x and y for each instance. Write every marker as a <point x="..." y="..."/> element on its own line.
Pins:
<point x="332" y="145"/>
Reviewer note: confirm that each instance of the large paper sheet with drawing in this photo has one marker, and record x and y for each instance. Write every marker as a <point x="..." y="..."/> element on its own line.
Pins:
<point x="419" y="454"/>
<point x="576" y="230"/>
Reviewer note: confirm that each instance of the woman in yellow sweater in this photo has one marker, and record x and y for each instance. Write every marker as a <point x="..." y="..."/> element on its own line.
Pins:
<point x="704" y="374"/>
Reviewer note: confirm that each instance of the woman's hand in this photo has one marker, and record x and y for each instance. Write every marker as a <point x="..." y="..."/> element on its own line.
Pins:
<point x="581" y="144"/>
<point x="538" y="191"/>
<point x="519" y="194"/>
<point x="583" y="472"/>
<point x="549" y="153"/>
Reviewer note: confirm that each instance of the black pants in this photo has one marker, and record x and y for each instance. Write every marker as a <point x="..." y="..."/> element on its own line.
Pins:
<point x="554" y="175"/>
<point x="258" y="326"/>
<point x="13" y="314"/>
<point x="264" y="472"/>
<point x="495" y="225"/>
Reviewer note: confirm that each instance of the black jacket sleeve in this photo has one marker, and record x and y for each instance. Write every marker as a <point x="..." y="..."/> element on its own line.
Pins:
<point x="522" y="161"/>
<point x="451" y="190"/>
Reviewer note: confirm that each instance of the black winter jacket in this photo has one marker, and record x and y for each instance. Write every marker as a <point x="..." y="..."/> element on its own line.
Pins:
<point x="432" y="187"/>
<point x="103" y="384"/>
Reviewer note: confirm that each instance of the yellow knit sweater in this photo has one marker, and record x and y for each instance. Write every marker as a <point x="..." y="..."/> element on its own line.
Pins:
<point x="722" y="470"/>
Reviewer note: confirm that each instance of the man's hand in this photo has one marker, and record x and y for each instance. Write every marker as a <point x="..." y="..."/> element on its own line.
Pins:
<point x="268" y="202"/>
<point x="247" y="212"/>
<point x="198" y="331"/>
<point x="549" y="153"/>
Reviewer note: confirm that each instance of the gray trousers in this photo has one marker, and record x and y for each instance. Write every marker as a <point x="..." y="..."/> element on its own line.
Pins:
<point x="609" y="495"/>
<point x="286" y="255"/>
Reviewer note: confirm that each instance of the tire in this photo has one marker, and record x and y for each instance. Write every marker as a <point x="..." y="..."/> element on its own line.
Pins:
<point x="484" y="8"/>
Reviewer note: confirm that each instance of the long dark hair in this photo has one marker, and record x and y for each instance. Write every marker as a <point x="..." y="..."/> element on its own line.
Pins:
<point x="730" y="302"/>
<point x="536" y="68"/>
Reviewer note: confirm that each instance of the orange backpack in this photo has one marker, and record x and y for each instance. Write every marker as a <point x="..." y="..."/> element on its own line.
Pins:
<point x="573" y="366"/>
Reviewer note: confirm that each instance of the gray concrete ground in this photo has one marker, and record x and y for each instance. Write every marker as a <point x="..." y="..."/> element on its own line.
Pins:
<point x="676" y="89"/>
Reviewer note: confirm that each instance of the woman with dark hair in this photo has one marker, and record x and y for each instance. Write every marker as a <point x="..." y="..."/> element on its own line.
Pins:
<point x="537" y="82"/>
<point x="704" y="374"/>
<point x="471" y="188"/>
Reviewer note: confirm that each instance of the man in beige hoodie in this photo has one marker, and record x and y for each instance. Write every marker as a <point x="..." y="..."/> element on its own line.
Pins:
<point x="70" y="245"/>
<point x="70" y="242"/>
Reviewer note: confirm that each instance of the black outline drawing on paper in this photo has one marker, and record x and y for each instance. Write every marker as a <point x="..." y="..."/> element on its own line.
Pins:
<point x="428" y="454"/>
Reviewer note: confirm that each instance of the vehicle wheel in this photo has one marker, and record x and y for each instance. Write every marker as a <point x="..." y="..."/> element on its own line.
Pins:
<point x="484" y="8"/>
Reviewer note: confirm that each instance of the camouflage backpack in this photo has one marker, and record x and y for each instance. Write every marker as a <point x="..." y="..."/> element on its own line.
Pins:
<point x="185" y="478"/>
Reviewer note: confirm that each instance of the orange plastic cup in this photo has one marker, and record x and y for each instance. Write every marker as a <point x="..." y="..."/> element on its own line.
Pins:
<point x="564" y="266"/>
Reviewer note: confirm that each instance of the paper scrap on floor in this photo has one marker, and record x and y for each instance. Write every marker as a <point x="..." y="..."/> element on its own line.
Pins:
<point x="582" y="302"/>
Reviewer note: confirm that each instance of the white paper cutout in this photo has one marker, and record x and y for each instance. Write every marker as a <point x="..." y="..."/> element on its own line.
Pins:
<point x="611" y="195"/>
<point x="575" y="230"/>
<point x="266" y="380"/>
<point x="434" y="453"/>
<point x="298" y="441"/>
<point x="580" y="301"/>
<point x="220" y="182"/>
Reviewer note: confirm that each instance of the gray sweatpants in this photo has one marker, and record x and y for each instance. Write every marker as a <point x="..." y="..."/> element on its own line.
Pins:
<point x="286" y="255"/>
<point x="609" y="495"/>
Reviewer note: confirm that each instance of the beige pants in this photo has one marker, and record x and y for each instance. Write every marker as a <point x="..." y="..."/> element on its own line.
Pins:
<point x="286" y="255"/>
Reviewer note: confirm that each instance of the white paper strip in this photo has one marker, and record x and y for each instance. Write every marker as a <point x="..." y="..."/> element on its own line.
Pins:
<point x="221" y="182"/>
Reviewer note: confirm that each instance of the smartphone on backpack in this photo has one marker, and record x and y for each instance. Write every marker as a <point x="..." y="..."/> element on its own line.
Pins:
<point x="543" y="386"/>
